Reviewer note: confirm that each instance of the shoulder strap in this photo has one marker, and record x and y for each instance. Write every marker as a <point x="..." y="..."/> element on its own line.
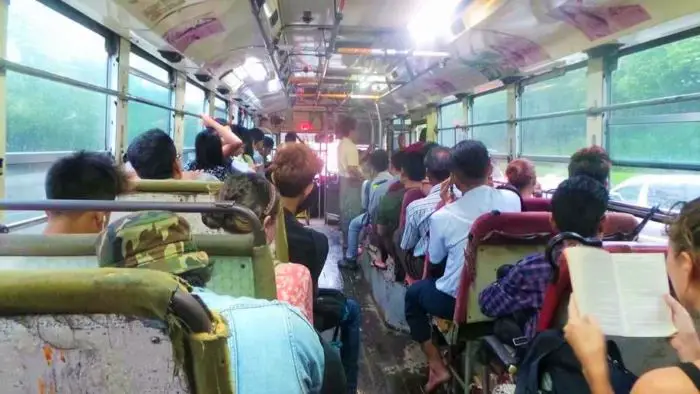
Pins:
<point x="692" y="371"/>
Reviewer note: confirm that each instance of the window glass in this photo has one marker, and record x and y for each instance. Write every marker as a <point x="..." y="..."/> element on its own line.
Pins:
<point x="452" y="115"/>
<point x="234" y="120"/>
<point x="447" y="137"/>
<point x="143" y="117"/>
<point x="550" y="174"/>
<point x="628" y="194"/>
<point x="145" y="66"/>
<point x="489" y="108"/>
<point x="42" y="38"/>
<point x="219" y="103"/>
<point x="220" y="113"/>
<point x="564" y="135"/>
<point x="194" y="102"/>
<point x="663" y="133"/>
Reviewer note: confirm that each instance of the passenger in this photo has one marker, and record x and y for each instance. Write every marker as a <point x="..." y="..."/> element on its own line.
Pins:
<point x="449" y="229"/>
<point x="682" y="264"/>
<point x="153" y="156"/>
<point x="578" y="205"/>
<point x="415" y="233"/>
<point x="209" y="156"/>
<point x="248" y="149"/>
<point x="593" y="162"/>
<point x="291" y="137"/>
<point x="522" y="177"/>
<point x="268" y="146"/>
<point x="253" y="191"/>
<point x="378" y="163"/>
<point x="293" y="170"/>
<point x="257" y="136"/>
<point x="389" y="210"/>
<point x="293" y="358"/>
<point x="350" y="174"/>
<point x="239" y="161"/>
<point x="82" y="176"/>
<point x="383" y="182"/>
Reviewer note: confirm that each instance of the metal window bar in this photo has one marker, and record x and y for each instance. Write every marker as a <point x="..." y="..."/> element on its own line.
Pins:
<point x="134" y="206"/>
<point x="12" y="66"/>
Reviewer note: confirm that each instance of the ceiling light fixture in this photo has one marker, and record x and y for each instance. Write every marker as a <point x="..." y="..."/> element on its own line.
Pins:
<point x="430" y="21"/>
<point x="232" y="81"/>
<point x="255" y="69"/>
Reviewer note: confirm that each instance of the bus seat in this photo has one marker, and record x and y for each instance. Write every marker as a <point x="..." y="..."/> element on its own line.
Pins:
<point x="240" y="267"/>
<point x="536" y="204"/>
<point x="172" y="190"/>
<point x="618" y="226"/>
<point x="135" y="330"/>
<point x="640" y="354"/>
<point x="497" y="239"/>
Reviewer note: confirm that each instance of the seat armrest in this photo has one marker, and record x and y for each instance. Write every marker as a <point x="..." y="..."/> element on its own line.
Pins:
<point x="504" y="354"/>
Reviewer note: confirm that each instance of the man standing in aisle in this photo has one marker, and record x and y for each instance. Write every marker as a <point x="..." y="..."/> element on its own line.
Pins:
<point x="350" y="174"/>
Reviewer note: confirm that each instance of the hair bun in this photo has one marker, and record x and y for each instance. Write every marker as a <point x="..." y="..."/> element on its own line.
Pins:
<point x="214" y="220"/>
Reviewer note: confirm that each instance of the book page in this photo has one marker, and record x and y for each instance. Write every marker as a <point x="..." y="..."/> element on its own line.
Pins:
<point x="642" y="282"/>
<point x="595" y="287"/>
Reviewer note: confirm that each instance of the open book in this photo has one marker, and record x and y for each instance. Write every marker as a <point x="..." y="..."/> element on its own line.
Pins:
<point x="623" y="291"/>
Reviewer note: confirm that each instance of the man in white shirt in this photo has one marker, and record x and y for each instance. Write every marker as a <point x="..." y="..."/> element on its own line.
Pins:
<point x="470" y="167"/>
<point x="350" y="174"/>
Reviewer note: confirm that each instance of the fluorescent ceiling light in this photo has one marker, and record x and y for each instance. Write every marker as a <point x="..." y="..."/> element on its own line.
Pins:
<point x="256" y="70"/>
<point x="266" y="9"/>
<point x="432" y="20"/>
<point x="232" y="81"/>
<point x="240" y="72"/>
<point x="363" y="96"/>
<point x="274" y="85"/>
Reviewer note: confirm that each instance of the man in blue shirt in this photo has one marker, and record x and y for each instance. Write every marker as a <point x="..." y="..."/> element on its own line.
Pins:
<point x="470" y="168"/>
<point x="293" y="357"/>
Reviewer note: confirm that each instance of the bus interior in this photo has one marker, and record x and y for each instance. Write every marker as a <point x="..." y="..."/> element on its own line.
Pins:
<point x="530" y="79"/>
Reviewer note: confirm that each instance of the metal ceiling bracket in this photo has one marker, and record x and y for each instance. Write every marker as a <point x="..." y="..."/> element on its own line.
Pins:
<point x="329" y="51"/>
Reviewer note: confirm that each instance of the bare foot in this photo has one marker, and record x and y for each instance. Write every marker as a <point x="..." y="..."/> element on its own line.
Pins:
<point x="436" y="379"/>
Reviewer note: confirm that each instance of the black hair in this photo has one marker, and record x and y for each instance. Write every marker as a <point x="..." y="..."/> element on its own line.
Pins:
<point x="592" y="161"/>
<point x="152" y="155"/>
<point x="413" y="166"/>
<point x="423" y="136"/>
<point x="290" y="137"/>
<point x="84" y="176"/>
<point x="437" y="163"/>
<point x="207" y="148"/>
<point x="244" y="134"/>
<point x="578" y="205"/>
<point x="379" y="160"/>
<point x="470" y="159"/>
<point x="198" y="277"/>
<point x="268" y="142"/>
<point x="397" y="159"/>
<point x="256" y="135"/>
<point x="427" y="147"/>
<point x="346" y="125"/>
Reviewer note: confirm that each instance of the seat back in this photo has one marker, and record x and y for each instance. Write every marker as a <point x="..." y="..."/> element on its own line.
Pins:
<point x="618" y="226"/>
<point x="136" y="331"/>
<point x="171" y="190"/>
<point x="497" y="239"/>
<point x="536" y="204"/>
<point x="640" y="354"/>
<point x="240" y="268"/>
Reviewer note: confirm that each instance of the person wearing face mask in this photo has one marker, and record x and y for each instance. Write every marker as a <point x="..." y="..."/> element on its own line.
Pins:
<point x="82" y="176"/>
<point x="292" y="171"/>
<point x="683" y="266"/>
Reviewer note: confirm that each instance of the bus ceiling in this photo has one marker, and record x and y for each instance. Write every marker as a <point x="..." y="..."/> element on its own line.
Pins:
<point x="390" y="55"/>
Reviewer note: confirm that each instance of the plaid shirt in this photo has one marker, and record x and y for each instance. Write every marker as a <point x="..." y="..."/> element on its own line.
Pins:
<point x="522" y="288"/>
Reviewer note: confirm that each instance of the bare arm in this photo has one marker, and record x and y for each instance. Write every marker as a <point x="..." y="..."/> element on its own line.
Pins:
<point x="229" y="141"/>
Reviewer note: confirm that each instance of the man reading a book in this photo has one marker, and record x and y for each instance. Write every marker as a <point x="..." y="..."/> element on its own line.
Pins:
<point x="578" y="206"/>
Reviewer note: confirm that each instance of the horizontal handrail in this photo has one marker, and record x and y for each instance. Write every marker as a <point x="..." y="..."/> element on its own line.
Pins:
<point x="134" y="206"/>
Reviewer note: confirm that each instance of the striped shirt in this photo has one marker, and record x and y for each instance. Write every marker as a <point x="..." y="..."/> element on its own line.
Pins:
<point x="415" y="232"/>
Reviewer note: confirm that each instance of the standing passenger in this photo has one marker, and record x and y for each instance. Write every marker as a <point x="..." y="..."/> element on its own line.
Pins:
<point x="350" y="174"/>
<point x="449" y="231"/>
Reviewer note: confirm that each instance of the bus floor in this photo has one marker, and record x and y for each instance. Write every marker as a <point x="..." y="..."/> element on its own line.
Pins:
<point x="390" y="363"/>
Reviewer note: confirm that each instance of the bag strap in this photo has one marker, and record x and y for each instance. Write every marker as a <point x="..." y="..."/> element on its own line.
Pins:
<point x="691" y="370"/>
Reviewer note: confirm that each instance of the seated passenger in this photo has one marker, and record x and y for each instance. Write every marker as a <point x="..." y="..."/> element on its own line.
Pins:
<point x="153" y="156"/>
<point x="291" y="138"/>
<point x="415" y="233"/>
<point x="383" y="182"/>
<point x="268" y="146"/>
<point x="389" y="210"/>
<point x="593" y="162"/>
<point x="293" y="170"/>
<point x="378" y="165"/>
<point x="241" y="162"/>
<point x="257" y="136"/>
<point x="449" y="230"/>
<point x="293" y="358"/>
<point x="82" y="176"/>
<point x="682" y="264"/>
<point x="209" y="156"/>
<point x="522" y="177"/>
<point x="260" y="196"/>
<point x="578" y="205"/>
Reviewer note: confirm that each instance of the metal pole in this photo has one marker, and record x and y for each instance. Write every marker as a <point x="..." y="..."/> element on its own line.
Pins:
<point x="134" y="206"/>
<point x="268" y="44"/>
<point x="380" y="134"/>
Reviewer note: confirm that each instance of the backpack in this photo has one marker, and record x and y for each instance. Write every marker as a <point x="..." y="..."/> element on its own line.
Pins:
<point x="550" y="366"/>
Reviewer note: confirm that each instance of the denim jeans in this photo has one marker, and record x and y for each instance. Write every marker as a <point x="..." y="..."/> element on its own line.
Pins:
<point x="422" y="301"/>
<point x="350" y="338"/>
<point x="354" y="230"/>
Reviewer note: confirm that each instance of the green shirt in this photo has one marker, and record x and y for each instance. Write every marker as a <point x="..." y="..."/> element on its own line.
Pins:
<point x="389" y="209"/>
